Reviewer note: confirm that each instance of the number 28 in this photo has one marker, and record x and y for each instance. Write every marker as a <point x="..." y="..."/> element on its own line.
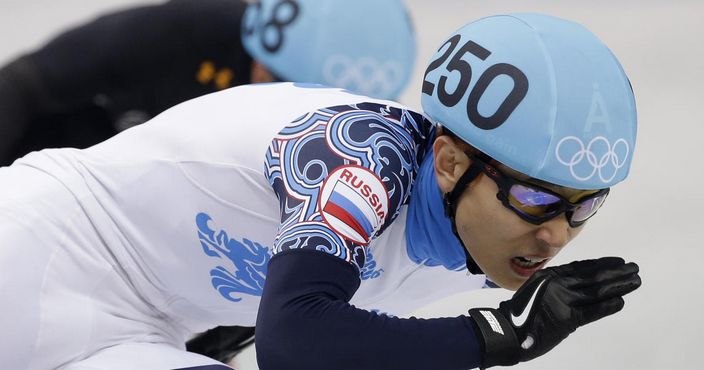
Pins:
<point x="280" y="18"/>
<point x="457" y="63"/>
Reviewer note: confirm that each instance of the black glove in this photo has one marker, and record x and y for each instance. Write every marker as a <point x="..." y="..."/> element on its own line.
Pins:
<point x="553" y="303"/>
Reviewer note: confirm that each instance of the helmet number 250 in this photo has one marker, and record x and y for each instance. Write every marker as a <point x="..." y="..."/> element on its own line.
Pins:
<point x="458" y="64"/>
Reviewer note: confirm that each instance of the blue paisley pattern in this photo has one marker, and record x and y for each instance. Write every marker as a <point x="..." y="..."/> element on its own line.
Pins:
<point x="390" y="142"/>
<point x="369" y="271"/>
<point x="249" y="258"/>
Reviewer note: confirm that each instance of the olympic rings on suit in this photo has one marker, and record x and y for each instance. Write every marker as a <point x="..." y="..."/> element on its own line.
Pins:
<point x="597" y="163"/>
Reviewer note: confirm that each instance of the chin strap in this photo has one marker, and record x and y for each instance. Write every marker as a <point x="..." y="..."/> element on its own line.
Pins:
<point x="450" y="201"/>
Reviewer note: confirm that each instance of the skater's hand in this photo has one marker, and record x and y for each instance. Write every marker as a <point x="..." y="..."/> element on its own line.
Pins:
<point x="553" y="303"/>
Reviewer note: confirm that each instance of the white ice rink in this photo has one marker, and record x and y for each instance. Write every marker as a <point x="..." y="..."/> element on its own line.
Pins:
<point x="651" y="219"/>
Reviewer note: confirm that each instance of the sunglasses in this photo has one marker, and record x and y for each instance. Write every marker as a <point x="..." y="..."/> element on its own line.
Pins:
<point x="536" y="204"/>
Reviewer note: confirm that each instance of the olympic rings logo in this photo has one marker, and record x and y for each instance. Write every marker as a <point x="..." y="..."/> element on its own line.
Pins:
<point x="599" y="164"/>
<point x="364" y="75"/>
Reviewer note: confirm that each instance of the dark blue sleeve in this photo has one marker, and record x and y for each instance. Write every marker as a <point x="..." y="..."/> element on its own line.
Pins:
<point x="306" y="322"/>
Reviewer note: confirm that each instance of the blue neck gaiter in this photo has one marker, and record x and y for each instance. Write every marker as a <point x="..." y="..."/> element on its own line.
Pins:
<point x="429" y="237"/>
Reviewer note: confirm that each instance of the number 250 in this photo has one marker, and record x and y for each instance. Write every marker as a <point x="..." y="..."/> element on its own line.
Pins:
<point x="451" y="98"/>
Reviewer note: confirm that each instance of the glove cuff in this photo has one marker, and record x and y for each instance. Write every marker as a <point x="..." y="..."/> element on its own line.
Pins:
<point x="501" y="345"/>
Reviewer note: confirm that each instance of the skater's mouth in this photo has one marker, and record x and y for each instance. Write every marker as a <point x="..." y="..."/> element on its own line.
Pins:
<point x="527" y="265"/>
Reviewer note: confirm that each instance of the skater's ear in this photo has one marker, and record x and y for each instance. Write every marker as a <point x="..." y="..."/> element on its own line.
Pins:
<point x="450" y="161"/>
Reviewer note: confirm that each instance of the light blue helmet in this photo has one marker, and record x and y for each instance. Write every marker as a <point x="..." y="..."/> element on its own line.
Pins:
<point x="539" y="94"/>
<point x="366" y="46"/>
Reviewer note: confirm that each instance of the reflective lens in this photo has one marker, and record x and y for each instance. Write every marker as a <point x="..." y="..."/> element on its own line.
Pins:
<point x="532" y="201"/>
<point x="588" y="208"/>
<point x="536" y="204"/>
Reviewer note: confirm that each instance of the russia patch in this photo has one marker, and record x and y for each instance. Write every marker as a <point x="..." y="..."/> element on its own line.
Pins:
<point x="354" y="203"/>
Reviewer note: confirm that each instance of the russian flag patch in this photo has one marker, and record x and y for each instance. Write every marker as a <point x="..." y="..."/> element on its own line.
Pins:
<point x="354" y="203"/>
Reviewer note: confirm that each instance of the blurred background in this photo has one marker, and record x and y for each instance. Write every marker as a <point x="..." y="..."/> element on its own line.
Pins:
<point x="651" y="219"/>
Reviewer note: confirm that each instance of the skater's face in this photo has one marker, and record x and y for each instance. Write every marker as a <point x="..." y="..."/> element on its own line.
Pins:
<point x="506" y="247"/>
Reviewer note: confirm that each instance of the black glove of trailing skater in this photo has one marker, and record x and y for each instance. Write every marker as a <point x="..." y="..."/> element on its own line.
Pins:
<point x="553" y="303"/>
